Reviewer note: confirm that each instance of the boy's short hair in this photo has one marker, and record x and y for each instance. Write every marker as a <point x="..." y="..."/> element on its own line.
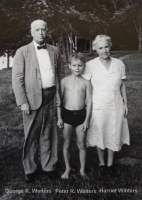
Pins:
<point x="78" y="55"/>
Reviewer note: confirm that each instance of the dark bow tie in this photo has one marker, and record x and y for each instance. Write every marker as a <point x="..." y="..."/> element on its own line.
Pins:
<point x="41" y="47"/>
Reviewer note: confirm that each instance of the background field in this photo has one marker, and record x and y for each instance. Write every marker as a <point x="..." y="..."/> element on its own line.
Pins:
<point x="128" y="171"/>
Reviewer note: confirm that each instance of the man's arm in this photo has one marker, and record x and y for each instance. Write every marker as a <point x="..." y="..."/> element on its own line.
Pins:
<point x="18" y="83"/>
<point x="58" y="63"/>
<point x="57" y="70"/>
<point x="89" y="105"/>
<point x="60" y="121"/>
<point x="59" y="90"/>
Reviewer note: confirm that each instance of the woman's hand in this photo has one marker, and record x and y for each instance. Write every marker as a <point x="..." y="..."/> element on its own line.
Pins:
<point x="60" y="123"/>
<point x="125" y="110"/>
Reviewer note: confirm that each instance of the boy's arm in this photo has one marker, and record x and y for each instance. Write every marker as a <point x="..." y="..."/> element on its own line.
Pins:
<point x="89" y="105"/>
<point x="60" y="121"/>
<point x="124" y="95"/>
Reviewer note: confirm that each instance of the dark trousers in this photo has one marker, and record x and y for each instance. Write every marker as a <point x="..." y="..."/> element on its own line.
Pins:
<point x="41" y="129"/>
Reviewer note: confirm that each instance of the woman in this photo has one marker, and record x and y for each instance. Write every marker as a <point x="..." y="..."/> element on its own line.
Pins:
<point x="108" y="128"/>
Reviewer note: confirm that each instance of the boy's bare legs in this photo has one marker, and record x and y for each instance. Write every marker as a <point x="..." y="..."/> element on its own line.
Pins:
<point x="81" y="138"/>
<point x="110" y="157"/>
<point x="101" y="156"/>
<point x="67" y="136"/>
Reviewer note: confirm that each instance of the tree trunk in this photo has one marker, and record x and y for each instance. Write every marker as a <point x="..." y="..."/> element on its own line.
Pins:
<point x="70" y="42"/>
<point x="67" y="46"/>
<point x="140" y="43"/>
<point x="85" y="46"/>
<point x="8" y="59"/>
<point x="63" y="45"/>
<point x="58" y="43"/>
<point x="90" y="45"/>
<point x="75" y="43"/>
<point x="140" y="35"/>
<point x="53" y="42"/>
<point x="139" y="26"/>
<point x="105" y="24"/>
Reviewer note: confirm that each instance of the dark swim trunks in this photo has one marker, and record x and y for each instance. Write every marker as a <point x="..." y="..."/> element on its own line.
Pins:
<point x="73" y="117"/>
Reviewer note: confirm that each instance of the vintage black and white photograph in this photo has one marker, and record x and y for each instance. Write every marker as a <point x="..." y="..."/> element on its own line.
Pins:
<point x="70" y="99"/>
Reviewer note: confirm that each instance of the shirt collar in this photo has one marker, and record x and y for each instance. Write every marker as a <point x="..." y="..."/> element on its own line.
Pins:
<point x="35" y="44"/>
<point x="111" y="70"/>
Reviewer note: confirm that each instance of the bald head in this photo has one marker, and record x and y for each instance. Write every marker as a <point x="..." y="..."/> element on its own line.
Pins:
<point x="38" y="31"/>
<point x="38" y="22"/>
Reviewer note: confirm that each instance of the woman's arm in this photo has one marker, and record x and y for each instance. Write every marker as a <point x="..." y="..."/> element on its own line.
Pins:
<point x="124" y="95"/>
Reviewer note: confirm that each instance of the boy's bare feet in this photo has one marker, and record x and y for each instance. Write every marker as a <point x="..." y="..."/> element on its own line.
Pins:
<point x="66" y="175"/>
<point x="84" y="175"/>
<point x="102" y="166"/>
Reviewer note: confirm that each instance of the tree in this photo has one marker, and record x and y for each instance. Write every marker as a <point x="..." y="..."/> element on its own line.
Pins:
<point x="67" y="20"/>
<point x="15" y="18"/>
<point x="128" y="13"/>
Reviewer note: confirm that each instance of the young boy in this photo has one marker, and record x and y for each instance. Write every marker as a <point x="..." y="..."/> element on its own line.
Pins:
<point x="76" y="102"/>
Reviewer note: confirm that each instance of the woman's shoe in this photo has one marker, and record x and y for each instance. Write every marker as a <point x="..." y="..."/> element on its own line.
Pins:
<point x="111" y="170"/>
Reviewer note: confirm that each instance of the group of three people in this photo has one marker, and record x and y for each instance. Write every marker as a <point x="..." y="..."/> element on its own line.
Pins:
<point x="92" y="100"/>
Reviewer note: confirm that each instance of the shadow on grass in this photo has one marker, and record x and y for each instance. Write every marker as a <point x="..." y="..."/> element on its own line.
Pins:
<point x="125" y="184"/>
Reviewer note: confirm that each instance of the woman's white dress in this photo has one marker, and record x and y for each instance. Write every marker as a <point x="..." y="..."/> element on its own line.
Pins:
<point x="108" y="127"/>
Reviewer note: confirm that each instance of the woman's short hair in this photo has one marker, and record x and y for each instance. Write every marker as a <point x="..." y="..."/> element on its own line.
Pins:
<point x="99" y="38"/>
<point x="78" y="55"/>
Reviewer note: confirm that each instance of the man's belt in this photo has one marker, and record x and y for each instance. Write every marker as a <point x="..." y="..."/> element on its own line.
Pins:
<point x="49" y="88"/>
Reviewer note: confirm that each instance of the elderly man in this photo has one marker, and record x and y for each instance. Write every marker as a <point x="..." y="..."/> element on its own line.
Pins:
<point x="35" y="86"/>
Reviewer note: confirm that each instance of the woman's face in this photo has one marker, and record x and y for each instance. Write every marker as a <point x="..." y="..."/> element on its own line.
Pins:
<point x="103" y="49"/>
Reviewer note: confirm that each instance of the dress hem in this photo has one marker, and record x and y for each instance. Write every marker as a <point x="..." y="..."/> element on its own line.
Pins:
<point x="89" y="145"/>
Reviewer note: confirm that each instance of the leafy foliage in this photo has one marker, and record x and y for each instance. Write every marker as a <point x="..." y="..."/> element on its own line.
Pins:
<point x="79" y="18"/>
<point x="129" y="16"/>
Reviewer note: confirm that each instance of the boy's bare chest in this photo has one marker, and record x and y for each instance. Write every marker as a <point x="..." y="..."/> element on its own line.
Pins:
<point x="75" y="87"/>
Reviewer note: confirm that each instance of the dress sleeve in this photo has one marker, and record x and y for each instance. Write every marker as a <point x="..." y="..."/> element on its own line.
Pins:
<point x="123" y="71"/>
<point x="87" y="74"/>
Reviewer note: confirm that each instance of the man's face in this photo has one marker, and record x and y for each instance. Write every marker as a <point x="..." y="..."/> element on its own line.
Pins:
<point x="39" y="32"/>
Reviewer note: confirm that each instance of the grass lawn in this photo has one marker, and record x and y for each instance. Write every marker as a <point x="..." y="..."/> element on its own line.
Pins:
<point x="126" y="177"/>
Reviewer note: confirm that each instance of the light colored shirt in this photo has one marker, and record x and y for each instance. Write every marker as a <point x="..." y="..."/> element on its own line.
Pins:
<point x="45" y="66"/>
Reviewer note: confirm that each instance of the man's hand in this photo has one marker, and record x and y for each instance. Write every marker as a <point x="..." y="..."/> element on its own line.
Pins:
<point x="60" y="123"/>
<point x="85" y="126"/>
<point x="25" y="108"/>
